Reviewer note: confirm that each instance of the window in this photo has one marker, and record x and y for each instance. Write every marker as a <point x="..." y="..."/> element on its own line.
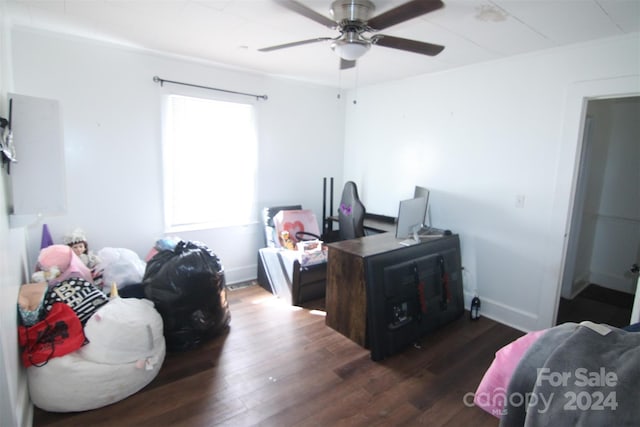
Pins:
<point x="210" y="162"/>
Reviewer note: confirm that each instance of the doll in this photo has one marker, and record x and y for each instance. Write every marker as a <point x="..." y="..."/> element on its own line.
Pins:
<point x="78" y="243"/>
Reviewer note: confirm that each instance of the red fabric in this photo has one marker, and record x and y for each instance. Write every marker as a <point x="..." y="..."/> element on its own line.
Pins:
<point x="58" y="334"/>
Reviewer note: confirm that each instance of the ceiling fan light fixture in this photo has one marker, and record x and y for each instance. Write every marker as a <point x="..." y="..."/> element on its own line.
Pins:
<point x="350" y="47"/>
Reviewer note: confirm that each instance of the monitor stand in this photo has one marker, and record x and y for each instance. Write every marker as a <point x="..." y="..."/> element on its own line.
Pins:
<point x="426" y="232"/>
<point x="422" y="233"/>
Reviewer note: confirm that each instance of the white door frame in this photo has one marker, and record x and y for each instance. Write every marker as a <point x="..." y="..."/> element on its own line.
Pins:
<point x="635" y="312"/>
<point x="577" y="212"/>
<point x="578" y="95"/>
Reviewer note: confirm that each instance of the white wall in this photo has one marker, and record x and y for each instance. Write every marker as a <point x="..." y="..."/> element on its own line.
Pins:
<point x="482" y="137"/>
<point x="110" y="109"/>
<point x="15" y="408"/>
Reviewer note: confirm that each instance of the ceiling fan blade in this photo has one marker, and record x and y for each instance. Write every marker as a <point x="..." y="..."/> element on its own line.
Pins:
<point x="292" y="44"/>
<point x="403" y="13"/>
<point x="408" y="45"/>
<point x="346" y="64"/>
<point x="307" y="12"/>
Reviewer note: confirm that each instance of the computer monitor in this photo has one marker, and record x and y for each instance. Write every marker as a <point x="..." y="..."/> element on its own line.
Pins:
<point x="411" y="214"/>
<point x="423" y="192"/>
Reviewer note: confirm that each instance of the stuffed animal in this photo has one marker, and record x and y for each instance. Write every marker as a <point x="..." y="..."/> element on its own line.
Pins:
<point x="286" y="241"/>
<point x="60" y="259"/>
<point x="46" y="275"/>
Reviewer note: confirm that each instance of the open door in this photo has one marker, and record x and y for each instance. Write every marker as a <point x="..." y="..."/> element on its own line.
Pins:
<point x="604" y="236"/>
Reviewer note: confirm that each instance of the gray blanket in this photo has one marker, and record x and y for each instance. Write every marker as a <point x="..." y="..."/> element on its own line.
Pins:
<point x="574" y="375"/>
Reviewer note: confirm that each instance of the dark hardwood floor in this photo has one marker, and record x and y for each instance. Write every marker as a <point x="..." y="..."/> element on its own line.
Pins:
<point x="598" y="304"/>
<point x="282" y="366"/>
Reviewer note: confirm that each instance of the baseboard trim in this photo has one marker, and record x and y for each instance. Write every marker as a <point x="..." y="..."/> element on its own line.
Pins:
<point x="494" y="310"/>
<point x="578" y="287"/>
<point x="241" y="274"/>
<point x="613" y="281"/>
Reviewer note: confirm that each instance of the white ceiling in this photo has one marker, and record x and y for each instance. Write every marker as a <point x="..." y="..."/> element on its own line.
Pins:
<point x="230" y="32"/>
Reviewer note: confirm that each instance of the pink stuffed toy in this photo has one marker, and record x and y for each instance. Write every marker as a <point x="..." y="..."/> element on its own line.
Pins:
<point x="60" y="258"/>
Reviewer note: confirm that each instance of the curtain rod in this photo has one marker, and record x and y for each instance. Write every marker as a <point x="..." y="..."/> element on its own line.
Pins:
<point x="163" y="81"/>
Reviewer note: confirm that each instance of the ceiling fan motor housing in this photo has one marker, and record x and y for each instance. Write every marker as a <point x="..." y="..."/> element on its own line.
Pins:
<point x="352" y="10"/>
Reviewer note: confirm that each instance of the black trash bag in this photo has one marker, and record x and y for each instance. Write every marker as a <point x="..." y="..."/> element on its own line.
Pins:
<point x="187" y="286"/>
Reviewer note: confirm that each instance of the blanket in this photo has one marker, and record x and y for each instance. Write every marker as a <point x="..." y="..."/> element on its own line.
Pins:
<point x="577" y="374"/>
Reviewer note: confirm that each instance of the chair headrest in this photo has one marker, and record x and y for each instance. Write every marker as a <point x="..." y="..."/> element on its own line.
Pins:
<point x="350" y="191"/>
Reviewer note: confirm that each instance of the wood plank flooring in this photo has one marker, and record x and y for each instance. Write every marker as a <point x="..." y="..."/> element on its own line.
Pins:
<point x="598" y="304"/>
<point x="279" y="365"/>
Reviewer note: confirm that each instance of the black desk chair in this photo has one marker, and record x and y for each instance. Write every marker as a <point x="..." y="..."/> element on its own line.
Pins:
<point x="351" y="213"/>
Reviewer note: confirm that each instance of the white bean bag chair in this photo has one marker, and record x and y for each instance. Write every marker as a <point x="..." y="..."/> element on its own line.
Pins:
<point x="125" y="352"/>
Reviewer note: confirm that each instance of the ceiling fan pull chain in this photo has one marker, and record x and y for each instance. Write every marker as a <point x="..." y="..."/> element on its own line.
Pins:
<point x="355" y="90"/>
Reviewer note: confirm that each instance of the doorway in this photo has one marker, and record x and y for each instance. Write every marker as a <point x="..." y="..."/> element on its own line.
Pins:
<point x="599" y="281"/>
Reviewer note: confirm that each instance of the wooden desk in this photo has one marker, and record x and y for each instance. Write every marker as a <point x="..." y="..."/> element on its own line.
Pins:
<point x="357" y="282"/>
<point x="346" y="295"/>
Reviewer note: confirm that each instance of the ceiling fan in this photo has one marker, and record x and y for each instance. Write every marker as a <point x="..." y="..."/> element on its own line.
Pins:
<point x="353" y="18"/>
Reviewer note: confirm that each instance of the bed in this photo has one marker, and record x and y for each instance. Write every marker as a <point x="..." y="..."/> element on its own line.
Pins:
<point x="583" y="374"/>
